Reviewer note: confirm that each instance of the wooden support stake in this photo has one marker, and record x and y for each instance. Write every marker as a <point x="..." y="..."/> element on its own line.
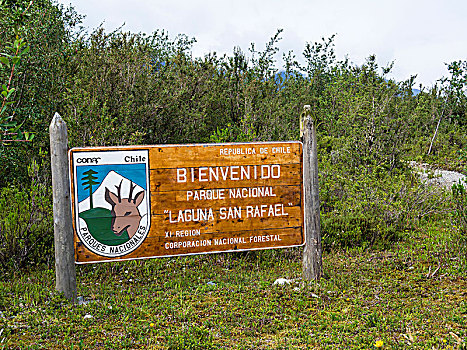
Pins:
<point x="312" y="254"/>
<point x="65" y="271"/>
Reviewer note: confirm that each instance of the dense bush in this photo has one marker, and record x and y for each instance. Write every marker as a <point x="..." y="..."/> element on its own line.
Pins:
<point x="40" y="78"/>
<point x="376" y="208"/>
<point x="26" y="226"/>
<point x="459" y="191"/>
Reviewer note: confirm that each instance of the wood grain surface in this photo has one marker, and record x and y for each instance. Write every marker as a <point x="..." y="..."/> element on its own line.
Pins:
<point x="212" y="198"/>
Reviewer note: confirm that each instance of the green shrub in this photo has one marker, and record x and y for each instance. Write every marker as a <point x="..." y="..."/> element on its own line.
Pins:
<point x="459" y="192"/>
<point x="366" y="206"/>
<point x="26" y="226"/>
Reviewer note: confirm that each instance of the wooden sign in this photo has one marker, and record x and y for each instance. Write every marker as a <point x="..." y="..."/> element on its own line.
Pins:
<point x="154" y="201"/>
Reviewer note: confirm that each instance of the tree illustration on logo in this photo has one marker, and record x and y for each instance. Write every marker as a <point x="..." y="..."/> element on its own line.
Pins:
<point x="89" y="180"/>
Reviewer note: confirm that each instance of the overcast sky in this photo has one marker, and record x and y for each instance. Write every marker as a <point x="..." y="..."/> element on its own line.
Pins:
<point x="418" y="35"/>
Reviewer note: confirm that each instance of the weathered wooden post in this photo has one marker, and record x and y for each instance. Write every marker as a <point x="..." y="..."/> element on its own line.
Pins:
<point x="63" y="230"/>
<point x="312" y="254"/>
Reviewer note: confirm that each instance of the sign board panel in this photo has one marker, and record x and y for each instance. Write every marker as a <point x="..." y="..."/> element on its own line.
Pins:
<point x="167" y="200"/>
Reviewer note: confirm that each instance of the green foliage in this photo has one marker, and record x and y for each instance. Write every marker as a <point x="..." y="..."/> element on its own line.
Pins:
<point x="26" y="226"/>
<point x="454" y="91"/>
<point x="365" y="126"/>
<point x="10" y="60"/>
<point x="143" y="89"/>
<point x="235" y="133"/>
<point x="39" y="78"/>
<point x="376" y="207"/>
<point x="459" y="192"/>
<point x="124" y="88"/>
<point x="191" y="338"/>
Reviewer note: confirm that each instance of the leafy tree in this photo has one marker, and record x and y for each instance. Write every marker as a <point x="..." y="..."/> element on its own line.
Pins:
<point x="40" y="75"/>
<point x="9" y="128"/>
<point x="453" y="96"/>
<point x="10" y="59"/>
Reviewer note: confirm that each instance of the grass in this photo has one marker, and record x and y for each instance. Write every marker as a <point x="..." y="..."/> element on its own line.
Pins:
<point x="413" y="295"/>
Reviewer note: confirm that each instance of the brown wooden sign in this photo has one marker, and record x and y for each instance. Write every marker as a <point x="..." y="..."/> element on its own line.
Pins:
<point x="153" y="201"/>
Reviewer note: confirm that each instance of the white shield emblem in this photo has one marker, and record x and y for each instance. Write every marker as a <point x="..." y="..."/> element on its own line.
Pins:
<point x="112" y="210"/>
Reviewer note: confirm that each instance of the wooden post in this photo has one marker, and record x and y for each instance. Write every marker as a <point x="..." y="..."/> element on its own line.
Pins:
<point x="312" y="254"/>
<point x="63" y="230"/>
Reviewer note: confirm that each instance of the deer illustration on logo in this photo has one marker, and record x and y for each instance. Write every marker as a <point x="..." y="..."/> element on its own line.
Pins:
<point x="125" y="213"/>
